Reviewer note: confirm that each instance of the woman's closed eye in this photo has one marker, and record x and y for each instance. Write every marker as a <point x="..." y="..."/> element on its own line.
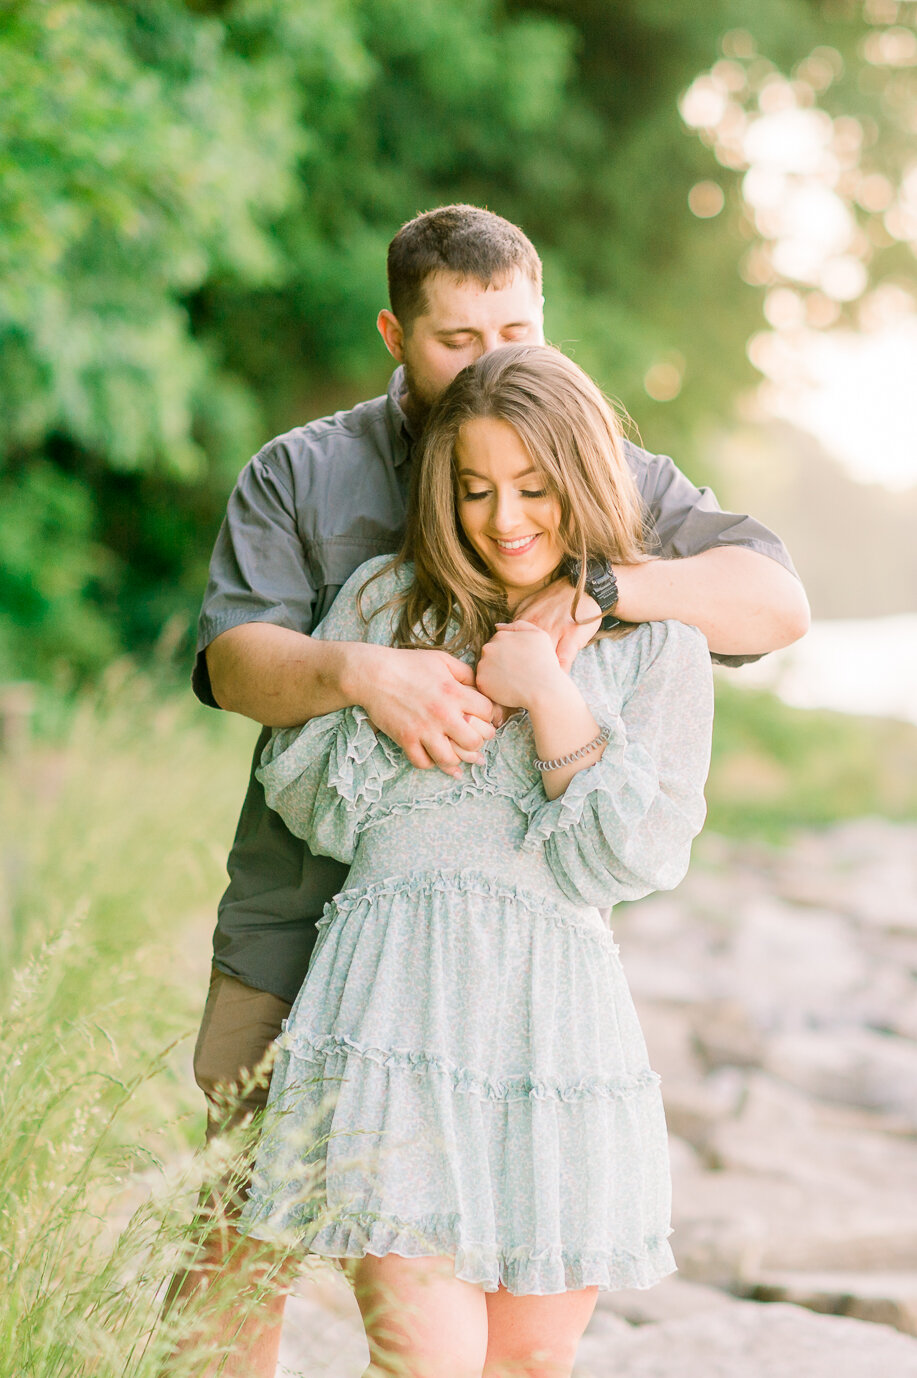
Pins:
<point x="523" y="492"/>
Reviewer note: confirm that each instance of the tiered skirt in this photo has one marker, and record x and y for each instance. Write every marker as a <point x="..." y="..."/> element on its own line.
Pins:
<point x="464" y="1074"/>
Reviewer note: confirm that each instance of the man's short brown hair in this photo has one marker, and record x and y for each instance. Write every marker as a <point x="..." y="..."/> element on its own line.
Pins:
<point x="465" y="240"/>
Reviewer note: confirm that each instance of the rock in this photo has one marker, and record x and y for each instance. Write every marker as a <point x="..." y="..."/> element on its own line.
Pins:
<point x="725" y="1035"/>
<point x="731" y="1225"/>
<point x="664" y="953"/>
<point x="670" y="1299"/>
<point x="323" y="1332"/>
<point x="851" y="1065"/>
<point x="866" y="869"/>
<point x="669" y="1041"/>
<point x="791" y="967"/>
<point x="694" y="1109"/>
<point x="886" y="1298"/>
<point x="750" y="1340"/>
<point x="781" y="1132"/>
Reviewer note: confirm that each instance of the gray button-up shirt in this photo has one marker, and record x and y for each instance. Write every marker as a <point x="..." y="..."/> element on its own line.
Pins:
<point x="305" y="512"/>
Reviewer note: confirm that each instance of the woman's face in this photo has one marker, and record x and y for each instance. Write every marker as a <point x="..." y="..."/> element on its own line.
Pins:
<point x="507" y="515"/>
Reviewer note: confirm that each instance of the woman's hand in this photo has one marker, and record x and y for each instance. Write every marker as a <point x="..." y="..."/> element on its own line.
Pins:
<point x="518" y="662"/>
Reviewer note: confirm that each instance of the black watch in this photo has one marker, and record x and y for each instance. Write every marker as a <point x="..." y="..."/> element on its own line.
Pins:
<point x="600" y="584"/>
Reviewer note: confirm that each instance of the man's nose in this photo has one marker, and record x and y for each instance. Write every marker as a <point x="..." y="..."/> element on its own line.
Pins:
<point x="491" y="340"/>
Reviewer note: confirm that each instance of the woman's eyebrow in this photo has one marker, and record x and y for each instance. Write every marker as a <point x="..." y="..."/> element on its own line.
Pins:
<point x="485" y="478"/>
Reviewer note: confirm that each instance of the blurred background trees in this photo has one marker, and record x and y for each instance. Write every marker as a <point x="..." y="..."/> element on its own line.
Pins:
<point x="196" y="199"/>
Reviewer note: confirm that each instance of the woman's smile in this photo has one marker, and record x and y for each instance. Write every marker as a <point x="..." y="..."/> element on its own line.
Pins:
<point x="518" y="547"/>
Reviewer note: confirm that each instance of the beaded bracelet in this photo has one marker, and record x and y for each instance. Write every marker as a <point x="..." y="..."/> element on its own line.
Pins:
<point x="572" y="756"/>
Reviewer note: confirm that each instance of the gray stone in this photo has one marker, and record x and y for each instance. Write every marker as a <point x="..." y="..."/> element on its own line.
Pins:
<point x="781" y="1132"/>
<point x="725" y="1034"/>
<point x="669" y="1040"/>
<point x="866" y="869"/>
<point x="851" y="1065"/>
<point x="750" y="1340"/>
<point x="886" y="1298"/>
<point x="673" y="1297"/>
<point x="730" y="1226"/>
<point x="322" y="1332"/>
<point x="694" y="1109"/>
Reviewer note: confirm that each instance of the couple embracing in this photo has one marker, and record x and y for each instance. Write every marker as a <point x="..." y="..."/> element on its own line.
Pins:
<point x="477" y="624"/>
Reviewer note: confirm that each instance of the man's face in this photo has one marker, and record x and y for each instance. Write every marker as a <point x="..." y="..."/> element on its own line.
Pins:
<point x="462" y="321"/>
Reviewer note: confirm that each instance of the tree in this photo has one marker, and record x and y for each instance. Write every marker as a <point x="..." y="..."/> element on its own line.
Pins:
<point x="196" y="199"/>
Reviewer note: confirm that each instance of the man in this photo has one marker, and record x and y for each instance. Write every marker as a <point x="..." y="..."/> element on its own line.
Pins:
<point x="312" y="506"/>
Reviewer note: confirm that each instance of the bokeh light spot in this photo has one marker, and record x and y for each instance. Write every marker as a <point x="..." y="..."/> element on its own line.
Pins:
<point x="706" y="199"/>
<point x="663" y="379"/>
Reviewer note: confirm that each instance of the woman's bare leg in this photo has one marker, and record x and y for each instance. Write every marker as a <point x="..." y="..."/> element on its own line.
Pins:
<point x="421" y="1320"/>
<point x="535" y="1337"/>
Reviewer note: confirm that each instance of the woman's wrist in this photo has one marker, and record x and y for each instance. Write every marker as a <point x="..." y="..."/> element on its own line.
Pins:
<point x="553" y="693"/>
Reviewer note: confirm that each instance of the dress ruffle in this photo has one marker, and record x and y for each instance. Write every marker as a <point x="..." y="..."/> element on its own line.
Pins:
<point x="522" y="1271"/>
<point x="415" y="884"/>
<point x="359" y="759"/>
<point x="529" y="1143"/>
<point x="466" y="1080"/>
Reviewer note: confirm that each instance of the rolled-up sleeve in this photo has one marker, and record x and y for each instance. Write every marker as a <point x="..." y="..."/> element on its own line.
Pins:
<point x="688" y="520"/>
<point x="259" y="570"/>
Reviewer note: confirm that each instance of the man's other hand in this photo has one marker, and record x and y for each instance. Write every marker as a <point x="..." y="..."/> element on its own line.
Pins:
<point x="427" y="703"/>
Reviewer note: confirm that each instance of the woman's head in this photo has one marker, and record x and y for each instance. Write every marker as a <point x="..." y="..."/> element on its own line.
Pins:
<point x="521" y="465"/>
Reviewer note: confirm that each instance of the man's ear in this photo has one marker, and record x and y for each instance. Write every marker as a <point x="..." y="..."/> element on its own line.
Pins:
<point x="390" y="329"/>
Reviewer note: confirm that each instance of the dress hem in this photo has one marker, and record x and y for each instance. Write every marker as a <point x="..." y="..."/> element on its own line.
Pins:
<point x="522" y="1271"/>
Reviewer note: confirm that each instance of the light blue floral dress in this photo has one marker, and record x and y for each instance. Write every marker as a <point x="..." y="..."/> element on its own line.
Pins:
<point x="463" y="1071"/>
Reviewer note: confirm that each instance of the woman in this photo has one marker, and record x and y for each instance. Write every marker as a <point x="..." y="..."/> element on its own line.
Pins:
<point x="462" y="1104"/>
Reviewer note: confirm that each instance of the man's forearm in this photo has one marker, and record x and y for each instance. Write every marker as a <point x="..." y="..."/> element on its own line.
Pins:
<point x="745" y="603"/>
<point x="280" y="677"/>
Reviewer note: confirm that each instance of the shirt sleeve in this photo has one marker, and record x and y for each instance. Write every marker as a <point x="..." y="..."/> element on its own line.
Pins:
<point x="323" y="778"/>
<point x="624" y="826"/>
<point x="259" y="570"/>
<point x="688" y="520"/>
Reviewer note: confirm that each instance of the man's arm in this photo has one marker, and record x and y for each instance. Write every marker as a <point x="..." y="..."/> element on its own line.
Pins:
<point x="744" y="602"/>
<point x="424" y="700"/>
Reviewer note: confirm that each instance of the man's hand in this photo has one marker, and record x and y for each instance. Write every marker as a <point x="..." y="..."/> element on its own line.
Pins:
<point x="427" y="703"/>
<point x="551" y="609"/>
<point x="424" y="700"/>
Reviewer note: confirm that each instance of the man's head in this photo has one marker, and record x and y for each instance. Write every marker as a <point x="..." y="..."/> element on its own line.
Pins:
<point x="462" y="281"/>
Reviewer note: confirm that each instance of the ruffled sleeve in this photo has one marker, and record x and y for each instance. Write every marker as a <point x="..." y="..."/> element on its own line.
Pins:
<point x="624" y="826"/>
<point x="323" y="778"/>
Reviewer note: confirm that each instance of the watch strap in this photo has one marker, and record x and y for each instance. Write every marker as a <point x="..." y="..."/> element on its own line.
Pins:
<point x="600" y="583"/>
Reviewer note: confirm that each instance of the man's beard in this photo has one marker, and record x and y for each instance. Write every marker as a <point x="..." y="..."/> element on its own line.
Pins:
<point x="415" y="402"/>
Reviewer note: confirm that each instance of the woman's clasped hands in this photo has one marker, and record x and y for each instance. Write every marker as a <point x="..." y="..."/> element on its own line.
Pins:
<point x="517" y="664"/>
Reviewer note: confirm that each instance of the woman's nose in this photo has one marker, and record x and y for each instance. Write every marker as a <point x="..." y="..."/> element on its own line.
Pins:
<point x="506" y="512"/>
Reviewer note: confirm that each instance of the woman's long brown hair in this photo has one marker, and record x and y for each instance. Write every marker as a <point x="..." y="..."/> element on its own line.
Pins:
<point x="575" y="440"/>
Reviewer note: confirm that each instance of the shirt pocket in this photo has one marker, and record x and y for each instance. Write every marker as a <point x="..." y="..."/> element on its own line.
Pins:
<point x="334" y="559"/>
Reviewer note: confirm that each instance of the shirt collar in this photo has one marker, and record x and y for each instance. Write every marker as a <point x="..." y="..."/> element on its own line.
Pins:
<point x="400" y="424"/>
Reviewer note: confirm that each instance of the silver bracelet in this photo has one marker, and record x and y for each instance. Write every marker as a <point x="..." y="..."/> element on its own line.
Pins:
<point x="572" y="756"/>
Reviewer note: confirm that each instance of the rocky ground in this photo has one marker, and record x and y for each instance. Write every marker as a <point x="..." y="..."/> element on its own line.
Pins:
<point x="778" y="995"/>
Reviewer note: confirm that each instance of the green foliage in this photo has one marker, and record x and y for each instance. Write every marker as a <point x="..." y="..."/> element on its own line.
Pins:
<point x="195" y="202"/>
<point x="777" y="768"/>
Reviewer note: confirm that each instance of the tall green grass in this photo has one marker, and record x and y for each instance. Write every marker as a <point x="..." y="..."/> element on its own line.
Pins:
<point x="113" y="848"/>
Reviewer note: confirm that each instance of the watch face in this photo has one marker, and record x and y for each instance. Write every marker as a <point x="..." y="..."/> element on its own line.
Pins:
<point x="602" y="585"/>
